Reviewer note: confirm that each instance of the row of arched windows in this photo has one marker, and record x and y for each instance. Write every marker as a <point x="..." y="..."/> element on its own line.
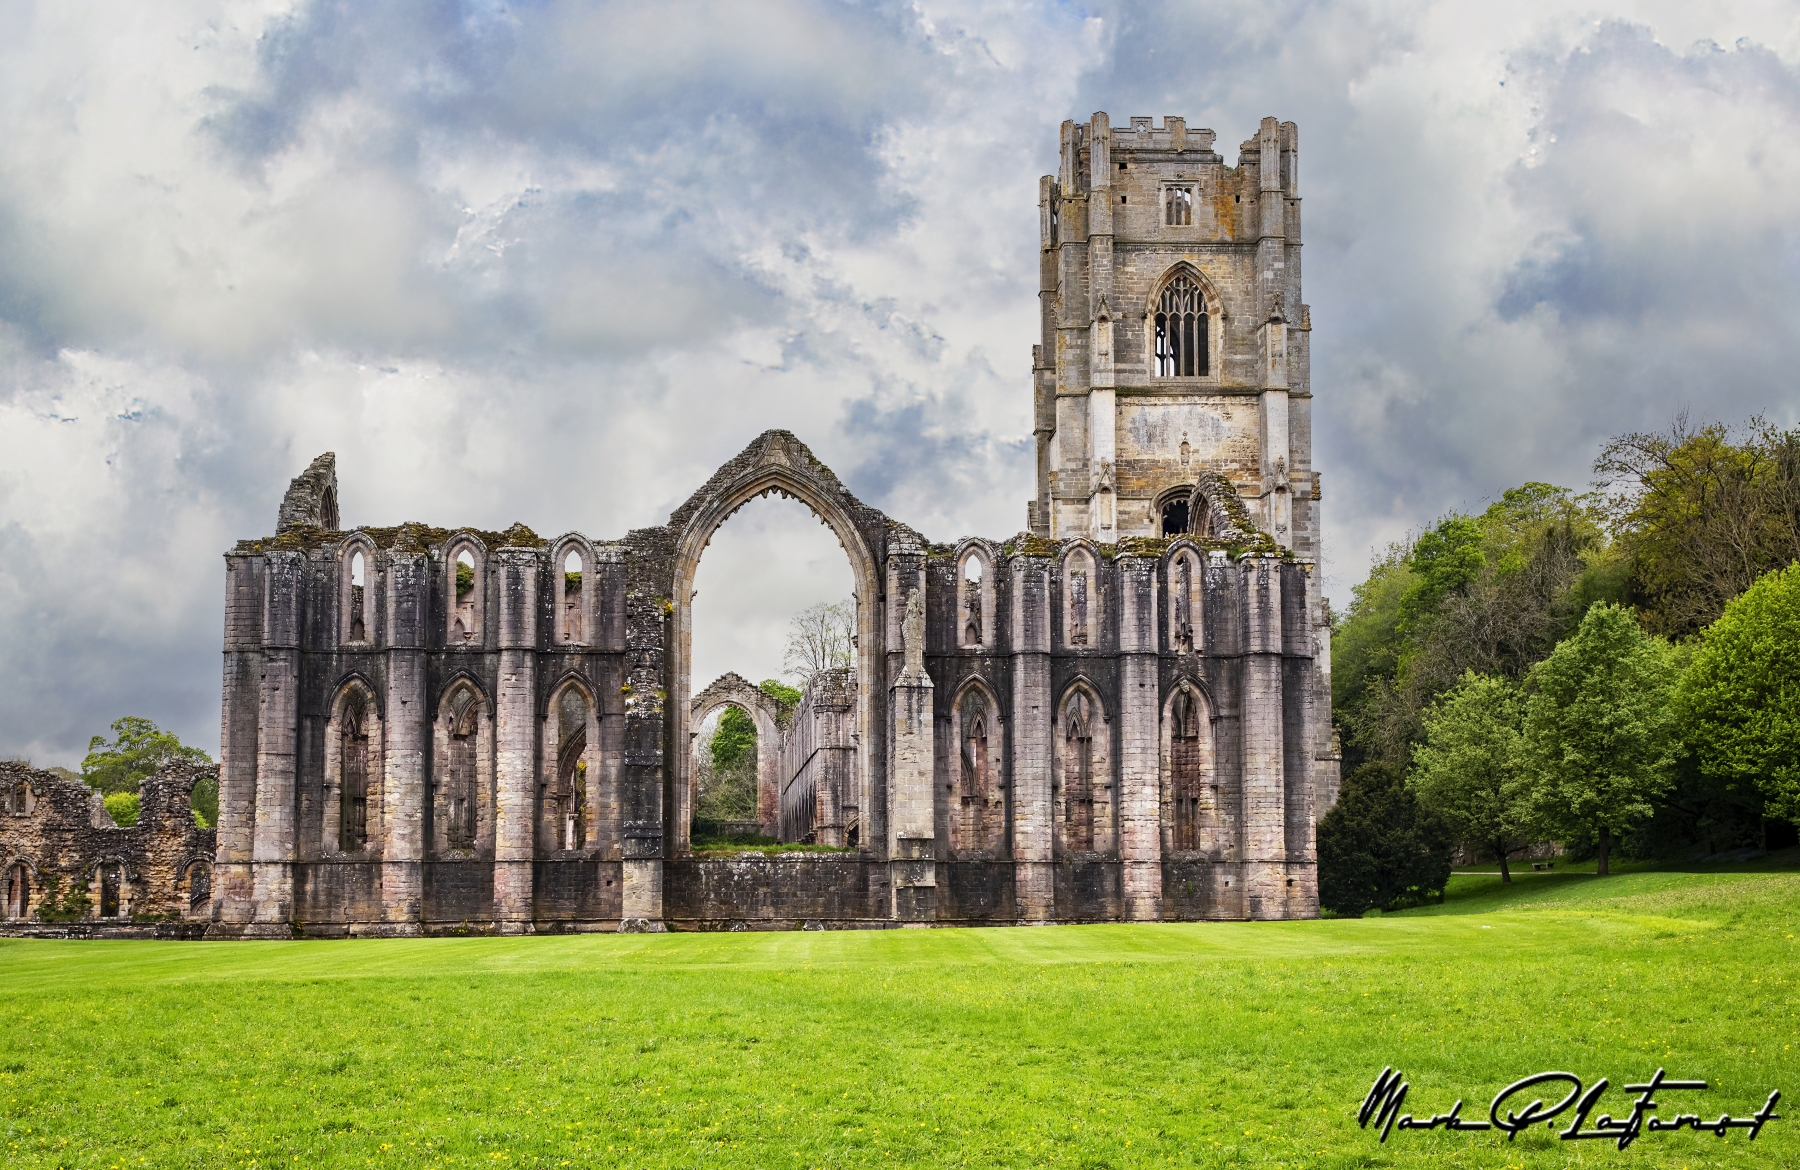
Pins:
<point x="1081" y="603"/>
<point x="572" y="587"/>
<point x="108" y="883"/>
<point x="1084" y="796"/>
<point x="461" y="788"/>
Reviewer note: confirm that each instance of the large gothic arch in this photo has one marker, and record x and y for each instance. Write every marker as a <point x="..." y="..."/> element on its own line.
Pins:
<point x="775" y="462"/>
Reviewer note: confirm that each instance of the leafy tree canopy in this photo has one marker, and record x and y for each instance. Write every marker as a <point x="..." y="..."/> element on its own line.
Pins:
<point x="139" y="748"/>
<point x="735" y="737"/>
<point x="1702" y="512"/>
<point x="1739" y="701"/>
<point x="1471" y="769"/>
<point x="1444" y="559"/>
<point x="1598" y="726"/>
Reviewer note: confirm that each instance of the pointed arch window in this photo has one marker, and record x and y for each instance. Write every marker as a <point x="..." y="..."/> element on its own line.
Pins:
<point x="1185" y="742"/>
<point x="566" y="809"/>
<point x="461" y="781"/>
<point x="1078" y="787"/>
<point x="1181" y="330"/>
<point x="975" y="600"/>
<point x="359" y="576"/>
<point x="353" y="800"/>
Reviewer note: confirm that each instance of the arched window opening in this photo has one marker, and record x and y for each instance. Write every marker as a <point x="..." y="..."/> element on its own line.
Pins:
<point x="1185" y="741"/>
<point x="18" y="890"/>
<point x="971" y="600"/>
<point x="976" y="780"/>
<point x="460" y="783"/>
<point x="328" y="510"/>
<point x="568" y="795"/>
<point x="1078" y="599"/>
<point x="1181" y="342"/>
<point x="359" y="629"/>
<point x="462" y="629"/>
<point x="18" y="798"/>
<point x="573" y="628"/>
<point x="1184" y="604"/>
<point x="353" y="798"/>
<point x="1078" y="772"/>
<point x="1174" y="518"/>
<point x="112" y="879"/>
<point x="199" y="877"/>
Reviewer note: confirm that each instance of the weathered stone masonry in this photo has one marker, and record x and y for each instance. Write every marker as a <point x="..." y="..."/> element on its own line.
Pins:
<point x="66" y="870"/>
<point x="1120" y="713"/>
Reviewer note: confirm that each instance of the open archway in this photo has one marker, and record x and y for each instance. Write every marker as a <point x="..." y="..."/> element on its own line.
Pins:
<point x="776" y="464"/>
<point x="732" y="691"/>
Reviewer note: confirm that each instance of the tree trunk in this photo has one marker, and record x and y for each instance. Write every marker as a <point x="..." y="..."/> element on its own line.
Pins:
<point x="1500" y="852"/>
<point x="1605" y="847"/>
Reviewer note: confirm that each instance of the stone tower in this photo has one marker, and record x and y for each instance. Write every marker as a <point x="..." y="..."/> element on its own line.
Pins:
<point x="1174" y="353"/>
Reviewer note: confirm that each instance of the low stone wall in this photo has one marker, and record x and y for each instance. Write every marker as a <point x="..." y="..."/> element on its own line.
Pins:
<point x="63" y="861"/>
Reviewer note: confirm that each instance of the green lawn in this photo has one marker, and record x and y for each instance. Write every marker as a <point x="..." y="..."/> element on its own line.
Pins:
<point x="1209" y="1044"/>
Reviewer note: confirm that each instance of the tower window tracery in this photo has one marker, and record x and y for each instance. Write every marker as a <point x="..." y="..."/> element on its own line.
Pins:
<point x="1181" y="343"/>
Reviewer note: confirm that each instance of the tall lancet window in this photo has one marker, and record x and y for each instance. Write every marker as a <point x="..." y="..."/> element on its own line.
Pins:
<point x="977" y="821"/>
<point x="1185" y="740"/>
<point x="1078" y="773"/>
<point x="568" y="800"/>
<point x="574" y="629"/>
<point x="1184" y="605"/>
<point x="1181" y="330"/>
<point x="353" y="800"/>
<point x="971" y="602"/>
<point x="464" y="711"/>
<point x="1078" y="607"/>
<point x="359" y="626"/>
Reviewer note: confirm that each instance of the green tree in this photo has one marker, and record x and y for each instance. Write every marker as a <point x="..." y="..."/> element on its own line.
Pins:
<point x="1443" y="560"/>
<point x="139" y="748"/>
<point x="1470" y="768"/>
<point x="1378" y="847"/>
<point x="1703" y="512"/>
<point x="1739" y="701"/>
<point x="1599" y="729"/>
<point x="786" y="698"/>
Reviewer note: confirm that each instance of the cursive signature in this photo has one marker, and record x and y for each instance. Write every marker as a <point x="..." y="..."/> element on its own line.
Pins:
<point x="1388" y="1094"/>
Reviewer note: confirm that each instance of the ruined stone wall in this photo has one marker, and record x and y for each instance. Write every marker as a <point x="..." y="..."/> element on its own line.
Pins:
<point x="1074" y="731"/>
<point x="56" y="834"/>
<point x="1121" y="713"/>
<point x="818" y="763"/>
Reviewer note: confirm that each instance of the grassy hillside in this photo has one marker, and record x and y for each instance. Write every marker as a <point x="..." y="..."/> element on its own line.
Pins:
<point x="1216" y="1044"/>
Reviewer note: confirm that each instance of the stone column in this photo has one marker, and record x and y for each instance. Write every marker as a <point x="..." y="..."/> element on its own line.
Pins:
<point x="648" y="803"/>
<point x="277" y="733"/>
<point x="1034" y="876"/>
<point x="233" y="881"/>
<point x="405" y="740"/>
<point x="1264" y="793"/>
<point x="1140" y="741"/>
<point x="515" y="740"/>
<point x="912" y="820"/>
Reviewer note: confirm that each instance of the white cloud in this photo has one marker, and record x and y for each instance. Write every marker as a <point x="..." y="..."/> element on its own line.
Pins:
<point x="556" y="262"/>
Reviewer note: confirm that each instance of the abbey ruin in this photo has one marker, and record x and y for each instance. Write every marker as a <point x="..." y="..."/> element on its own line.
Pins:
<point x="1119" y="713"/>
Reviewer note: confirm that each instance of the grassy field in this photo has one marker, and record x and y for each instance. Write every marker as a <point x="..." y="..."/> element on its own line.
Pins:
<point x="1217" y="1044"/>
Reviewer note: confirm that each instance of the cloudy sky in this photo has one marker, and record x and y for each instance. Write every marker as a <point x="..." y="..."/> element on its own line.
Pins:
<point x="555" y="262"/>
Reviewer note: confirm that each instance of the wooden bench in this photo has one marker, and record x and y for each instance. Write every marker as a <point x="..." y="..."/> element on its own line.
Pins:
<point x="1542" y="865"/>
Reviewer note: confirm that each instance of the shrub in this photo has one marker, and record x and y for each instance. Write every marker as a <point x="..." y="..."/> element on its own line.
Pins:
<point x="122" y="807"/>
<point x="1378" y="847"/>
